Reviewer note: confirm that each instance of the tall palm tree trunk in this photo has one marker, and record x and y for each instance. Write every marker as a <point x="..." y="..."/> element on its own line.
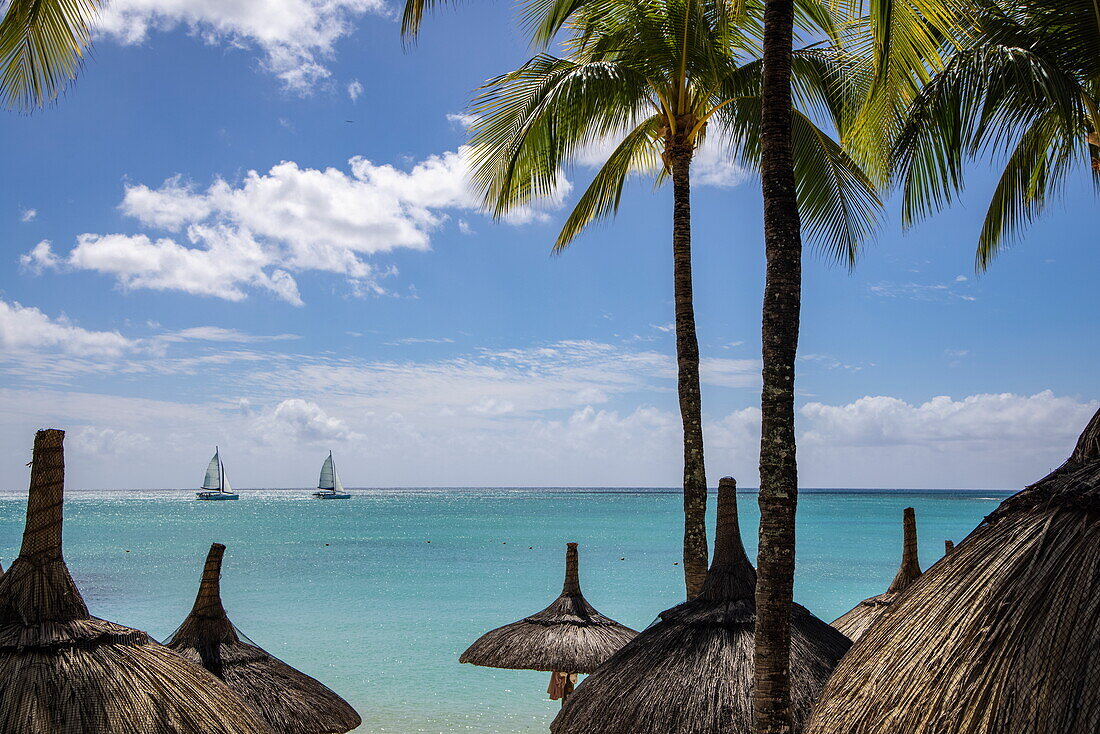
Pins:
<point x="679" y="153"/>
<point x="782" y="303"/>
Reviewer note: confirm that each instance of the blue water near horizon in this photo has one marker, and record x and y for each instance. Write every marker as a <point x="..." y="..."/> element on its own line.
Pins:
<point x="353" y="593"/>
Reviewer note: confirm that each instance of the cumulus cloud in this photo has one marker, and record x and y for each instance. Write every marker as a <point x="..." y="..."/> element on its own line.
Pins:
<point x="99" y="441"/>
<point x="28" y="215"/>
<point x="355" y="89"/>
<point x="40" y="258"/>
<point x="295" y="38"/>
<point x="229" y="238"/>
<point x="301" y="421"/>
<point x="977" y="420"/>
<point x="24" y="328"/>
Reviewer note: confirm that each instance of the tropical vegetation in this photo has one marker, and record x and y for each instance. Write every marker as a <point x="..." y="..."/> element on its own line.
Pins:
<point x="42" y="47"/>
<point x="651" y="80"/>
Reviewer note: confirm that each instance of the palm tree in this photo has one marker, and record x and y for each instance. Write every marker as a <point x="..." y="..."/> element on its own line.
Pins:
<point x="895" y="47"/>
<point x="778" y="495"/>
<point x="42" y="46"/>
<point x="1024" y="85"/>
<point x="652" y="77"/>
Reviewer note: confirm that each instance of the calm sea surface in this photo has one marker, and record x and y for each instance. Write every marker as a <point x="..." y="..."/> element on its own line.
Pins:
<point x="353" y="593"/>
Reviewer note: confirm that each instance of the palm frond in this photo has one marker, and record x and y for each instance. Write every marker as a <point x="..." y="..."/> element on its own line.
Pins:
<point x="638" y="152"/>
<point x="1035" y="172"/>
<point x="42" y="46"/>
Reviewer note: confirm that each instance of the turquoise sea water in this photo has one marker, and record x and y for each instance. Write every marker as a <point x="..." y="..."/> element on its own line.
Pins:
<point x="353" y="593"/>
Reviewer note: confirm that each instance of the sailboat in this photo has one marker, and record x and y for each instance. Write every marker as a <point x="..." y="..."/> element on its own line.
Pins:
<point x="329" y="486"/>
<point x="216" y="486"/>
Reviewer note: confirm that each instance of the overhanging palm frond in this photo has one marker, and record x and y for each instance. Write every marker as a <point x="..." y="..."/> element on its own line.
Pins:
<point x="42" y="46"/>
<point x="838" y="203"/>
<point x="1035" y="172"/>
<point x="901" y="44"/>
<point x="1007" y="95"/>
<point x="639" y="151"/>
<point x="532" y="121"/>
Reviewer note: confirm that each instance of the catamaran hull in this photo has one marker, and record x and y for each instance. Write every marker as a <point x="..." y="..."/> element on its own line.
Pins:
<point x="216" y="497"/>
<point x="331" y="496"/>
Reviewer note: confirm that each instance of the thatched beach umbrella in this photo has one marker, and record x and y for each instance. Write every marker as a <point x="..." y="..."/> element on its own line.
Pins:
<point x="856" y="621"/>
<point x="1002" y="635"/>
<point x="566" y="638"/>
<point x="291" y="701"/>
<point x="63" y="671"/>
<point x="691" y="671"/>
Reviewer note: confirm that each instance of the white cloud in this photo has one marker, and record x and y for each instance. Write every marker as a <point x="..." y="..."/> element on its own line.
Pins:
<point x="830" y="362"/>
<point x="24" y="328"/>
<point x="295" y="37"/>
<point x="461" y="120"/>
<point x="230" y="238"/>
<point x="221" y="334"/>
<point x="922" y="291"/>
<point x="301" y="420"/>
<point x="227" y="260"/>
<point x="421" y="340"/>
<point x="99" y="442"/>
<point x="355" y="88"/>
<point x="991" y="420"/>
<point x="565" y="413"/>
<point x="40" y="258"/>
<point x="28" y="215"/>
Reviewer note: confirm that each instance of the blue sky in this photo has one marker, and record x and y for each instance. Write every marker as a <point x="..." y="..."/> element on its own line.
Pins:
<point x="247" y="224"/>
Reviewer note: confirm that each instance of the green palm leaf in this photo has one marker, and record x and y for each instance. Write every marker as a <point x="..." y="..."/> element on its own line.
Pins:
<point x="42" y="46"/>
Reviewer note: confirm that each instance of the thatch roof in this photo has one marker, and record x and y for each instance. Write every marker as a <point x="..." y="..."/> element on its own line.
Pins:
<point x="1002" y="635"/>
<point x="63" y="671"/>
<point x="569" y="636"/>
<point x="289" y="700"/>
<point x="691" y="671"/>
<point x="857" y="620"/>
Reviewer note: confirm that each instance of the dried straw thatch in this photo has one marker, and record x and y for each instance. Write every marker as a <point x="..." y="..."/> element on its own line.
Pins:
<point x="948" y="546"/>
<point x="569" y="636"/>
<point x="63" y="671"/>
<point x="291" y="701"/>
<point x="856" y="621"/>
<point x="691" y="671"/>
<point x="1002" y="635"/>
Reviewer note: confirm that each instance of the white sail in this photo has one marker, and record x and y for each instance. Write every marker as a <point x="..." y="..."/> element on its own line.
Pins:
<point x="226" y="486"/>
<point x="213" y="473"/>
<point x="337" y="485"/>
<point x="328" y="478"/>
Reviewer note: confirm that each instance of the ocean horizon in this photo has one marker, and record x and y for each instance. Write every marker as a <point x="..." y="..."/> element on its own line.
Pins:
<point x="377" y="596"/>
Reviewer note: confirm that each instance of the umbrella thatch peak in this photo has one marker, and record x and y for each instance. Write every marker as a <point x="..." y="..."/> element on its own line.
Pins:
<point x="1001" y="635"/>
<point x="691" y="671"/>
<point x="569" y="636"/>
<point x="62" y="670"/>
<point x="288" y="699"/>
<point x="857" y="620"/>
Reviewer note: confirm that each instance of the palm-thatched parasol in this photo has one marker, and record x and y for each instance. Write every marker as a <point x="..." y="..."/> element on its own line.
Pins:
<point x="1002" y="635"/>
<point x="691" y="671"/>
<point x="566" y="638"/>
<point x="856" y="621"/>
<point x="63" y="671"/>
<point x="291" y="701"/>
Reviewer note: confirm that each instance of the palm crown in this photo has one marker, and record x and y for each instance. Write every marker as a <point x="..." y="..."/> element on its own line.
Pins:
<point x="653" y="76"/>
<point x="1024" y="88"/>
